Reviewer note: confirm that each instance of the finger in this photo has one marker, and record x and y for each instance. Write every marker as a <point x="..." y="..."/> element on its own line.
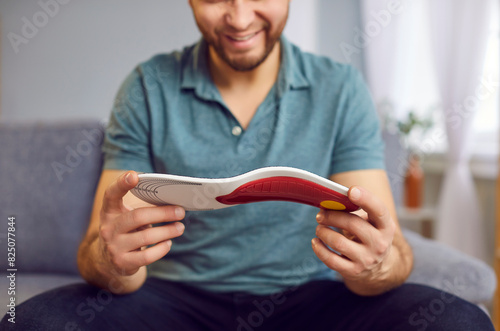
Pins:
<point x="377" y="212"/>
<point x="332" y="260"/>
<point x="339" y="243"/>
<point x="149" y="215"/>
<point x="150" y="236"/>
<point x="351" y="223"/>
<point x="113" y="196"/>
<point x="147" y="256"/>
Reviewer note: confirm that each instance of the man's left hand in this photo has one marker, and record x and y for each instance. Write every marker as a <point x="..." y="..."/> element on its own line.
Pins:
<point x="365" y="254"/>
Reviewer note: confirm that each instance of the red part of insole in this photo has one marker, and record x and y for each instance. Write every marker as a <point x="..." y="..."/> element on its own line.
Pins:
<point x="285" y="189"/>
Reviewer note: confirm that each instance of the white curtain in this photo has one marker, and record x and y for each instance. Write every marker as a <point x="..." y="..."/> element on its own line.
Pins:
<point x="380" y="51"/>
<point x="302" y="25"/>
<point x="397" y="53"/>
<point x="400" y="44"/>
<point x="460" y="32"/>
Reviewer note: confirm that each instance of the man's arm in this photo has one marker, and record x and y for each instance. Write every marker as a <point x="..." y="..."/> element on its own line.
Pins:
<point x="375" y="256"/>
<point x="113" y="253"/>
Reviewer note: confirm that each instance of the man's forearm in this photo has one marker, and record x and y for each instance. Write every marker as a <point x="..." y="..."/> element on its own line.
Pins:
<point x="97" y="272"/>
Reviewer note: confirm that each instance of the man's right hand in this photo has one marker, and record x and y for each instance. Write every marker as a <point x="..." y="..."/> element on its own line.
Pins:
<point x="121" y="240"/>
<point x="125" y="233"/>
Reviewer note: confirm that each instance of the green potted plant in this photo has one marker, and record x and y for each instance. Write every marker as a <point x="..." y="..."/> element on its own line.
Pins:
<point x="412" y="130"/>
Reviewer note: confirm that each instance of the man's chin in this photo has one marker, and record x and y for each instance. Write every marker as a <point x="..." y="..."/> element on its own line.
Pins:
<point x="245" y="65"/>
<point x="246" y="62"/>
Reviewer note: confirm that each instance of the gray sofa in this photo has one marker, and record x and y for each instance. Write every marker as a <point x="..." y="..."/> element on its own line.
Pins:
<point x="48" y="175"/>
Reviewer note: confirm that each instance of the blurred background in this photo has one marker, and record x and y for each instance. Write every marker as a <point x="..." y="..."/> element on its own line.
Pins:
<point x="72" y="65"/>
<point x="432" y="67"/>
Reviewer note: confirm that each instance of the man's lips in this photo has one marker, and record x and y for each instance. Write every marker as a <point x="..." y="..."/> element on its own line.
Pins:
<point x="242" y="38"/>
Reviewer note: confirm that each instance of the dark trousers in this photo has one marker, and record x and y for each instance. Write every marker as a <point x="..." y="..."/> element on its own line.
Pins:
<point x="319" y="305"/>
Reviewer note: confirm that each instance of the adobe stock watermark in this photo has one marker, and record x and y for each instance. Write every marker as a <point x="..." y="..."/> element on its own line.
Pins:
<point x="75" y="155"/>
<point x="373" y="28"/>
<point x="249" y="151"/>
<point x="32" y="26"/>
<point x="266" y="308"/>
<point x="453" y="119"/>
<point x="464" y="110"/>
<point x="88" y="309"/>
<point x="136" y="95"/>
<point x="428" y="314"/>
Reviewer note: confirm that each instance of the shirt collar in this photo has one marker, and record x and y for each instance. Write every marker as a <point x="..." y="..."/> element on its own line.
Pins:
<point x="291" y="75"/>
<point x="196" y="74"/>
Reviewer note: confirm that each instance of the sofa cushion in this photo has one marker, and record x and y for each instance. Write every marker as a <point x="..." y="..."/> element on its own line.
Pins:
<point x="49" y="174"/>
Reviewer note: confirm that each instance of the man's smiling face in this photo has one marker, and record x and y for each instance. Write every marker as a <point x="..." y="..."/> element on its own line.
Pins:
<point x="241" y="32"/>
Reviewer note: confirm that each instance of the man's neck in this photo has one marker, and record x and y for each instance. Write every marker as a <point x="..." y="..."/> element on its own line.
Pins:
<point x="227" y="78"/>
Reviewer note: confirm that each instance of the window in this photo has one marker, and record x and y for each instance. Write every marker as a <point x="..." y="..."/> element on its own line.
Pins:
<point x="486" y="121"/>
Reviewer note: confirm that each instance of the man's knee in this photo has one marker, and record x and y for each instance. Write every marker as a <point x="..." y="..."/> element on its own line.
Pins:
<point x="64" y="308"/>
<point x="438" y="310"/>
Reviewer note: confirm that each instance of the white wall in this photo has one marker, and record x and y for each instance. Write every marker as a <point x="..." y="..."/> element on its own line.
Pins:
<point x="302" y="26"/>
<point x="337" y="23"/>
<point x="73" y="65"/>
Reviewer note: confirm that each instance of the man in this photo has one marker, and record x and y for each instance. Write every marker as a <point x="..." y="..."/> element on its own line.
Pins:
<point x="241" y="99"/>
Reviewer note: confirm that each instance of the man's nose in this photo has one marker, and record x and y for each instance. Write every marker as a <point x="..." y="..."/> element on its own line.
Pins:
<point x="240" y="14"/>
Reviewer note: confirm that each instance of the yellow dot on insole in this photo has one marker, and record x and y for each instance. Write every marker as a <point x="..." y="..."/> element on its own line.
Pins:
<point x="329" y="204"/>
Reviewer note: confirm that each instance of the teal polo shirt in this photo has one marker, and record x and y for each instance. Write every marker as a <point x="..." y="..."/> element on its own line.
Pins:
<point x="169" y="117"/>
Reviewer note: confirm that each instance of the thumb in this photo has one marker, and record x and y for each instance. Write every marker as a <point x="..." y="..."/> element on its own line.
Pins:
<point x="113" y="196"/>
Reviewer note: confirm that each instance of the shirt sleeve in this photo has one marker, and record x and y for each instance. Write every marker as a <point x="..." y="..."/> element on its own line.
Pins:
<point x="358" y="142"/>
<point x="127" y="139"/>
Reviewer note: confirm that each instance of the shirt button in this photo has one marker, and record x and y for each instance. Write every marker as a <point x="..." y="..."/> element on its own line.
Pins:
<point x="236" y="131"/>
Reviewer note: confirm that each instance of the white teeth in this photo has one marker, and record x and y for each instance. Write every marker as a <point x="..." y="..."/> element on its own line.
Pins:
<point x="243" y="38"/>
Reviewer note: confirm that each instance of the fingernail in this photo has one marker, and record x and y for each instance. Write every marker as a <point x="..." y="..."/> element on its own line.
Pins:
<point x="169" y="243"/>
<point x="314" y="241"/>
<point x="320" y="216"/>
<point x="128" y="178"/>
<point x="180" y="227"/>
<point x="355" y="194"/>
<point x="179" y="212"/>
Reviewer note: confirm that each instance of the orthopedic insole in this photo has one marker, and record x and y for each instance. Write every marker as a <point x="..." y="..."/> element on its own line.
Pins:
<point x="264" y="184"/>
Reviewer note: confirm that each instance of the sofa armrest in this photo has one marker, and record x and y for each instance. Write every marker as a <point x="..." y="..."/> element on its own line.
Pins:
<point x="447" y="269"/>
<point x="49" y="173"/>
